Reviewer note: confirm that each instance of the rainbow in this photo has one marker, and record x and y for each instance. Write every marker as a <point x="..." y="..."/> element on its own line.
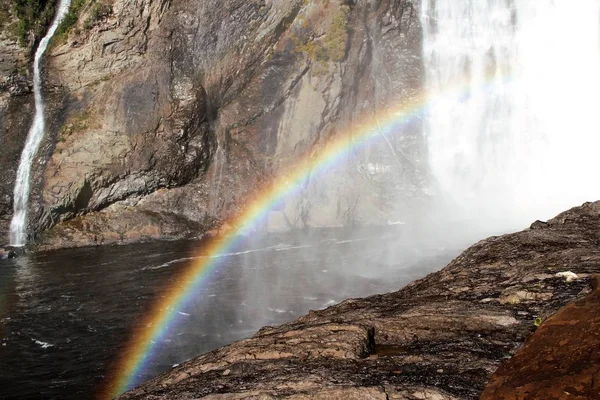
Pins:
<point x="163" y="315"/>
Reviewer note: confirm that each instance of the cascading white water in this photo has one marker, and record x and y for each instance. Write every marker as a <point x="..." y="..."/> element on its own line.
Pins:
<point x="219" y="162"/>
<point x="523" y="143"/>
<point x="18" y="225"/>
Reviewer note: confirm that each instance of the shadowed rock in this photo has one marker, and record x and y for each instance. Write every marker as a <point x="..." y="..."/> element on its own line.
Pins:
<point x="6" y="254"/>
<point x="441" y="337"/>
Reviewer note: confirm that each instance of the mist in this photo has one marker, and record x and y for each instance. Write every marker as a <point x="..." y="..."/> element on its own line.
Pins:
<point x="515" y="143"/>
<point x="520" y="146"/>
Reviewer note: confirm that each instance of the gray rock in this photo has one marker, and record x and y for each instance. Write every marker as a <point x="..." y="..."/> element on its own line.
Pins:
<point x="6" y="253"/>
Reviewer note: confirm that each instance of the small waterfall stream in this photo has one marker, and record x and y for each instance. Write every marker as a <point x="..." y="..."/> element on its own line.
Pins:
<point x="215" y="180"/>
<point x="523" y="144"/>
<point x="18" y="225"/>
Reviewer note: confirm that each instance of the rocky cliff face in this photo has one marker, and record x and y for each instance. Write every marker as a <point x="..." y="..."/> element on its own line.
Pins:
<point x="163" y="115"/>
<point x="441" y="337"/>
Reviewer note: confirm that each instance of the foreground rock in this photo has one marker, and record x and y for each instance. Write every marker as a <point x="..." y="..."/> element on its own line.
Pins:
<point x="7" y="252"/>
<point x="560" y="360"/>
<point x="441" y="337"/>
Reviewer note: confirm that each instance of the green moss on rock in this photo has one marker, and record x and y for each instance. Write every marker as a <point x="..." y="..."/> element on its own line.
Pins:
<point x="337" y="38"/>
<point x="331" y="47"/>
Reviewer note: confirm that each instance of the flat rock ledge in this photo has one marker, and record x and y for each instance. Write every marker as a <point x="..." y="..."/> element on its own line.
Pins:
<point x="439" y="338"/>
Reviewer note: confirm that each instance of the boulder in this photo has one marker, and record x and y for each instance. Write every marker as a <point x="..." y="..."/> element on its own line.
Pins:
<point x="6" y="253"/>
<point x="560" y="360"/>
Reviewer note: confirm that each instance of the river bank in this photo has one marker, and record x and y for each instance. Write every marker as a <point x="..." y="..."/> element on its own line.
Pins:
<point x="441" y="337"/>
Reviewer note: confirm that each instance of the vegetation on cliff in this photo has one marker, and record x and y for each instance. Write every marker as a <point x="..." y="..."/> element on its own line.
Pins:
<point x="71" y="17"/>
<point x="336" y="40"/>
<point x="75" y="124"/>
<point x="331" y="46"/>
<point x="96" y="10"/>
<point x="23" y="19"/>
<point x="32" y="16"/>
<point x="4" y="14"/>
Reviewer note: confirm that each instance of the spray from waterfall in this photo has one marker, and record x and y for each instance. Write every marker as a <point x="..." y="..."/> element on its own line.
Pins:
<point x="219" y="161"/>
<point x="18" y="225"/>
<point x="526" y="149"/>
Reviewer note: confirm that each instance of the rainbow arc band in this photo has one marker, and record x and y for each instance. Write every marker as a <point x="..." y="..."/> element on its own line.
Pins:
<point x="162" y="318"/>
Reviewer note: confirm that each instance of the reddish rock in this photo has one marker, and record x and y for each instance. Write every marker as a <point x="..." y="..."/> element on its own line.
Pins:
<point x="561" y="360"/>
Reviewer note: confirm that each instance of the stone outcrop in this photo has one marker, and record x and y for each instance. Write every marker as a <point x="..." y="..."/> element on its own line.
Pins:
<point x="184" y="107"/>
<point x="441" y="337"/>
<point x="5" y="254"/>
<point x="559" y="361"/>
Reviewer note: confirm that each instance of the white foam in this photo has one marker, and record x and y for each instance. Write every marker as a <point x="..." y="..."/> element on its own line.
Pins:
<point x="305" y="246"/>
<point x="169" y="263"/>
<point x="43" y="345"/>
<point x="277" y="310"/>
<point x="352" y="240"/>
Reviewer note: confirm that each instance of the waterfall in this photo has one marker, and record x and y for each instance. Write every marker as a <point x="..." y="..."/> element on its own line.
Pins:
<point x="18" y="225"/>
<point x="523" y="143"/>
<point x="219" y="161"/>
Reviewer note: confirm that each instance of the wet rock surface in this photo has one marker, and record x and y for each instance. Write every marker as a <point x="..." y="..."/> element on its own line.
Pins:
<point x="441" y="337"/>
<point x="127" y="225"/>
<point x="6" y="253"/>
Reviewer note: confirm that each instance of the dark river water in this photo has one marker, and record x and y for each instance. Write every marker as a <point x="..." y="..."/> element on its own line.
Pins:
<point x="65" y="316"/>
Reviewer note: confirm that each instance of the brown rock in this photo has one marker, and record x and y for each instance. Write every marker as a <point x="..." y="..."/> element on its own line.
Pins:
<point x="119" y="225"/>
<point x="561" y="360"/>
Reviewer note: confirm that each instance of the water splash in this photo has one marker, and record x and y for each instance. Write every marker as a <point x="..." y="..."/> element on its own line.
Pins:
<point x="217" y="176"/>
<point x="526" y="148"/>
<point x="18" y="225"/>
